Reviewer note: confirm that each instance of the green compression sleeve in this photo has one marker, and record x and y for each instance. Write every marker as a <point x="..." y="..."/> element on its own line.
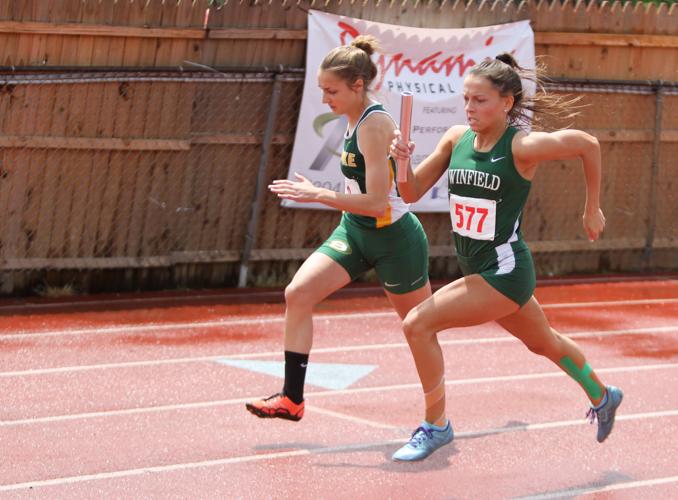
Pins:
<point x="583" y="376"/>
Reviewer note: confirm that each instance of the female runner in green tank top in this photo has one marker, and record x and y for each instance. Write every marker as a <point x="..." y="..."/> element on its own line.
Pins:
<point x="490" y="165"/>
<point x="376" y="229"/>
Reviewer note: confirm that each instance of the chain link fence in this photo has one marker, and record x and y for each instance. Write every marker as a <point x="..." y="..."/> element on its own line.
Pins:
<point x="117" y="181"/>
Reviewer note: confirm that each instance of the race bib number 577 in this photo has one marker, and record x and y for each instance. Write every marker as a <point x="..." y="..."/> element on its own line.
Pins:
<point x="473" y="217"/>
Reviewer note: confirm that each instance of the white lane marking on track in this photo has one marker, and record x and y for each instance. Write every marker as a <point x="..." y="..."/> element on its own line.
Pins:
<point x="296" y="453"/>
<point x="357" y="390"/>
<point x="512" y="428"/>
<point x="505" y="338"/>
<point x="349" y="292"/>
<point x="355" y="420"/>
<point x="144" y="300"/>
<point x="599" y="489"/>
<point x="608" y="303"/>
<point x="263" y="320"/>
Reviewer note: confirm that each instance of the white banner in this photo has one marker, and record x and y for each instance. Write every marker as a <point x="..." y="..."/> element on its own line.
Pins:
<point x="431" y="63"/>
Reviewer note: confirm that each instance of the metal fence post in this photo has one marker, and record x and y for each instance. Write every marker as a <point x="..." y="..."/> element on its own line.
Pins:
<point x="253" y="224"/>
<point x="652" y="204"/>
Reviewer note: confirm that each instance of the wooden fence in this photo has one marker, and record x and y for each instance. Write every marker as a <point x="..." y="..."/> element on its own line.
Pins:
<point x="121" y="170"/>
<point x="600" y="40"/>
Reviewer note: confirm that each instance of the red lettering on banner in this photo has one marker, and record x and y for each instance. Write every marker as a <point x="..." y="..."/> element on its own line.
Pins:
<point x="427" y="64"/>
<point x="347" y="30"/>
<point x="400" y="63"/>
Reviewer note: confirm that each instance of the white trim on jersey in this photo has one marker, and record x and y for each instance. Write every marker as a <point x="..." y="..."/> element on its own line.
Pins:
<point x="367" y="112"/>
<point x="383" y="111"/>
<point x="357" y="140"/>
<point x="505" y="256"/>
<point x="396" y="206"/>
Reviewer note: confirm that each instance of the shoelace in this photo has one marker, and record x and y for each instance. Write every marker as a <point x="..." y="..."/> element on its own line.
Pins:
<point x="591" y="415"/>
<point x="274" y="397"/>
<point x="419" y="434"/>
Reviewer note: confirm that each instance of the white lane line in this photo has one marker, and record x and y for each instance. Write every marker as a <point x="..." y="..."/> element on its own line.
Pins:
<point x="297" y="453"/>
<point x="506" y="338"/>
<point x="501" y="378"/>
<point x="355" y="420"/>
<point x="158" y="327"/>
<point x="610" y="303"/>
<point x="357" y="390"/>
<point x="264" y="320"/>
<point x="158" y="469"/>
<point x="553" y="425"/>
<point x="345" y="293"/>
<point x="113" y="301"/>
<point x="598" y="489"/>
<point x="503" y="430"/>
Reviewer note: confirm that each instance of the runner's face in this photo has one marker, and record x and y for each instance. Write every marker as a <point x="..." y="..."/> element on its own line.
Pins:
<point x="483" y="105"/>
<point x="337" y="94"/>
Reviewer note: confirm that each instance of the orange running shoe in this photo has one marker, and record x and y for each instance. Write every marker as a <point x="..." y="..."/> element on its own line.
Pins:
<point x="276" y="406"/>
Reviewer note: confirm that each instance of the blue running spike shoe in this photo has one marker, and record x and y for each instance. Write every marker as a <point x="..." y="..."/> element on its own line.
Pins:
<point x="424" y="441"/>
<point x="605" y="415"/>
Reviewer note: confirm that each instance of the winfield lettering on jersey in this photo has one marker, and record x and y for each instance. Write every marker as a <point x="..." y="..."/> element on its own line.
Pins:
<point x="474" y="178"/>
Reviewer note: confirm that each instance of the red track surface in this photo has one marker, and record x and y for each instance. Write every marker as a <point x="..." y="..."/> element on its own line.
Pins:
<point x="121" y="397"/>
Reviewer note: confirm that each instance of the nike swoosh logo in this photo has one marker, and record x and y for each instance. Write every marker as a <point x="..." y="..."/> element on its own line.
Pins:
<point x="386" y="283"/>
<point x="497" y="159"/>
<point x="304" y="365"/>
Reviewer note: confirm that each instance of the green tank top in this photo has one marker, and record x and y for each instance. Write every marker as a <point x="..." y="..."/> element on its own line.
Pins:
<point x="487" y="195"/>
<point x="353" y="168"/>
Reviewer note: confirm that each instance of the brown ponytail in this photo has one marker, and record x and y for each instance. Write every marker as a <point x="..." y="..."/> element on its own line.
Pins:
<point x="351" y="62"/>
<point x="506" y="76"/>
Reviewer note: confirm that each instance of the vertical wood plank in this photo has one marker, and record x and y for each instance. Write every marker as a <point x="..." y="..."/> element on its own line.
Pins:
<point x="17" y="168"/>
<point x="154" y="167"/>
<point x="6" y="180"/>
<point x="31" y="207"/>
<point x="116" y="207"/>
<point x="77" y="184"/>
<point x="46" y="221"/>
<point x="94" y="163"/>
<point x="70" y="12"/>
<point x="138" y="167"/>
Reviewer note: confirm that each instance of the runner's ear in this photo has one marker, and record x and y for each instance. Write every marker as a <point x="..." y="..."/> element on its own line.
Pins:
<point x="358" y="85"/>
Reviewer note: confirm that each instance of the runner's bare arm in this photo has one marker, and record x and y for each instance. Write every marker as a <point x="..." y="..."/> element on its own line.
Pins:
<point x="375" y="134"/>
<point x="429" y="171"/>
<point x="532" y="149"/>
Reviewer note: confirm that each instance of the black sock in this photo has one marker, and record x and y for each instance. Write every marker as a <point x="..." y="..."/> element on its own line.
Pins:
<point x="295" y="373"/>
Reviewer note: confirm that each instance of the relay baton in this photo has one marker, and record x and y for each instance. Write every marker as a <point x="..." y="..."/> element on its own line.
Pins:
<point x="405" y="125"/>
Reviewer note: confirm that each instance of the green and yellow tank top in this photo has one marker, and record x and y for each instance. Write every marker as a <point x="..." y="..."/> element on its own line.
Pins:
<point x="486" y="194"/>
<point x="353" y="168"/>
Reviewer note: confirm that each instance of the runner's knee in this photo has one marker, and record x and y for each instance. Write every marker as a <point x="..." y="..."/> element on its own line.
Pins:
<point x="549" y="345"/>
<point x="413" y="327"/>
<point x="299" y="295"/>
<point x="538" y="348"/>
